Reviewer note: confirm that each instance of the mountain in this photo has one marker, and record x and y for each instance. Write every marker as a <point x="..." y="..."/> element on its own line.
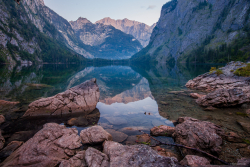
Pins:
<point x="200" y="31"/>
<point x="107" y="41"/>
<point x="124" y="45"/>
<point x="140" y="31"/>
<point x="21" y="41"/>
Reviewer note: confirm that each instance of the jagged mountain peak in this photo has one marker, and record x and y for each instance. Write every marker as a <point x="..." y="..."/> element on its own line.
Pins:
<point x="79" y="23"/>
<point x="140" y="31"/>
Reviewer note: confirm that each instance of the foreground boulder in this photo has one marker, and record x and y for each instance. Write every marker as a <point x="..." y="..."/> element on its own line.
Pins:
<point x="225" y="97"/>
<point x="194" y="161"/>
<point x="95" y="158"/>
<point x="94" y="135"/>
<point x="226" y="89"/>
<point x="136" y="155"/>
<point x="51" y="145"/>
<point x="76" y="161"/>
<point x="202" y="135"/>
<point x="79" y="99"/>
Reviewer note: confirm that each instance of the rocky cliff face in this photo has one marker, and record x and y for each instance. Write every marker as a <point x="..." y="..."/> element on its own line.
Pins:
<point x="186" y="25"/>
<point x="107" y="41"/>
<point x="27" y="37"/>
<point x="140" y="31"/>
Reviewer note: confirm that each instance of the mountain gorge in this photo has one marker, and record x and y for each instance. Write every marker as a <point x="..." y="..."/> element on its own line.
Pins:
<point x="200" y="30"/>
<point x="32" y="32"/>
<point x="140" y="31"/>
<point x="107" y="41"/>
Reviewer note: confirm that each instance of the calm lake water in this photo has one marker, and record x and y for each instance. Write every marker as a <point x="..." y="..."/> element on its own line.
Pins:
<point x="132" y="97"/>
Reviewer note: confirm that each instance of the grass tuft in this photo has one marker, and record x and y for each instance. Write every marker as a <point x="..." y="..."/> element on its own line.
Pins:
<point x="243" y="71"/>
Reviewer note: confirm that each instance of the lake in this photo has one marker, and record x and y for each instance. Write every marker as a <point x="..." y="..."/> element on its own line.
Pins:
<point x="132" y="97"/>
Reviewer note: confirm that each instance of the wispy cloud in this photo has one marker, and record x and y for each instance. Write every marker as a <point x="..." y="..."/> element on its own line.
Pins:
<point x="151" y="7"/>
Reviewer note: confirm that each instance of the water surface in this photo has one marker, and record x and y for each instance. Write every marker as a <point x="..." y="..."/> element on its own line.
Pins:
<point x="132" y="98"/>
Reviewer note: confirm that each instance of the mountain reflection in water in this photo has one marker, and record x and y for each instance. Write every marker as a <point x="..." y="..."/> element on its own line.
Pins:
<point x="132" y="97"/>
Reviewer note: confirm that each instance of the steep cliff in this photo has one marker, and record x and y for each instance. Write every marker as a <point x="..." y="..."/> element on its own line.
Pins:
<point x="22" y="42"/>
<point x="186" y="26"/>
<point x="107" y="41"/>
<point x="140" y="31"/>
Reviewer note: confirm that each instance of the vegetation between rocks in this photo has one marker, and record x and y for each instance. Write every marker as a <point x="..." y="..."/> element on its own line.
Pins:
<point x="244" y="71"/>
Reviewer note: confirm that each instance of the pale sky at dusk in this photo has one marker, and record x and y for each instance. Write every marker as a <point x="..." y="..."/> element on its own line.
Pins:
<point x="146" y="11"/>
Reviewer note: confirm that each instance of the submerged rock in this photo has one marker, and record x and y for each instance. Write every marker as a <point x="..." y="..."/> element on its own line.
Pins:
<point x="194" y="161"/>
<point x="46" y="148"/>
<point x="196" y="95"/>
<point x="79" y="99"/>
<point x="94" y="135"/>
<point x="116" y="120"/>
<point x="117" y="136"/>
<point x="245" y="125"/>
<point x="135" y="155"/>
<point x="162" y="130"/>
<point x="198" y="134"/>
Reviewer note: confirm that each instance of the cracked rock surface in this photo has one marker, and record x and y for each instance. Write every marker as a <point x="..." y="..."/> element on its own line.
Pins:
<point x="225" y="90"/>
<point x="95" y="158"/>
<point x="94" y="135"/>
<point x="198" y="134"/>
<point x="136" y="155"/>
<point x="79" y="99"/>
<point x="48" y="147"/>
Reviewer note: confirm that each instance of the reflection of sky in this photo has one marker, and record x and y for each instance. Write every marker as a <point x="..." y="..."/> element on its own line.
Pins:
<point x="146" y="105"/>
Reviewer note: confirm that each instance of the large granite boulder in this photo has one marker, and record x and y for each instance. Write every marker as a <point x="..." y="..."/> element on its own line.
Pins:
<point x="94" y="135"/>
<point x="198" y="134"/>
<point x="225" y="97"/>
<point x="79" y="99"/>
<point x="76" y="161"/>
<point x="136" y="155"/>
<point x="194" y="161"/>
<point x="51" y="145"/>
<point x="226" y="89"/>
<point x="95" y="158"/>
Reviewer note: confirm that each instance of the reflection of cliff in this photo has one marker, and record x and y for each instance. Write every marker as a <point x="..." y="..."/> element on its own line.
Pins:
<point x="26" y="84"/>
<point x="79" y="75"/>
<point x="111" y="80"/>
<point x="139" y="92"/>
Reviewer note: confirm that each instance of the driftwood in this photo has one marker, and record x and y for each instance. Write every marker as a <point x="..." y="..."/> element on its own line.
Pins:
<point x="179" y="145"/>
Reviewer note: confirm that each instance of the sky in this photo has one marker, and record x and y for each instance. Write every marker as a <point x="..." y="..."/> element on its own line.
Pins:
<point x="145" y="11"/>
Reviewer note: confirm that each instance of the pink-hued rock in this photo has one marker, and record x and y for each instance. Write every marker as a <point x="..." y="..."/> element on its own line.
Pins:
<point x="7" y="104"/>
<point x="234" y="137"/>
<point x="79" y="99"/>
<point x="47" y="147"/>
<point x="226" y="89"/>
<point x="135" y="155"/>
<point x="2" y="140"/>
<point x="10" y="148"/>
<point x="244" y="162"/>
<point x="196" y="95"/>
<point x="2" y="119"/>
<point x="95" y="158"/>
<point x="94" y="135"/>
<point x="198" y="134"/>
<point x="194" y="161"/>
<point x="76" y="161"/>
<point x="225" y="97"/>
<point x="162" y="130"/>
